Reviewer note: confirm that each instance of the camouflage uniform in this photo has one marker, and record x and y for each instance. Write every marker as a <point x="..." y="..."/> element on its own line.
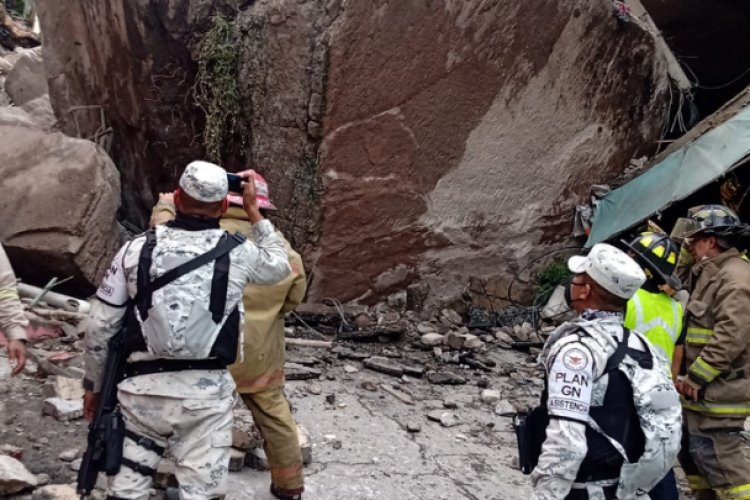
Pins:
<point x="260" y="374"/>
<point x="12" y="320"/>
<point x="188" y="411"/>
<point x="577" y="364"/>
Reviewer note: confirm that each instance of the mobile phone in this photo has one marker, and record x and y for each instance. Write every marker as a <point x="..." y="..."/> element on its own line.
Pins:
<point x="235" y="183"/>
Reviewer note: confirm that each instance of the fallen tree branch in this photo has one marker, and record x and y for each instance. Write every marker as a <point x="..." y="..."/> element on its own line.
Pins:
<point x="322" y="344"/>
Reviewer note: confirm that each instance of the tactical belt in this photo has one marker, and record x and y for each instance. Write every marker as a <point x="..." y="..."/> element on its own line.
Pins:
<point x="144" y="442"/>
<point x="143" y="470"/>
<point x="610" y="493"/>
<point x="171" y="365"/>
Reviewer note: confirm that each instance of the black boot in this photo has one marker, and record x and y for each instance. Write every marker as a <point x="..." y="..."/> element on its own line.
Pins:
<point x="286" y="494"/>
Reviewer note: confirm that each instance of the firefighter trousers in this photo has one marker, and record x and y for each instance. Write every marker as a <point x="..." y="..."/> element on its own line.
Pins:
<point x="716" y="457"/>
<point x="274" y="419"/>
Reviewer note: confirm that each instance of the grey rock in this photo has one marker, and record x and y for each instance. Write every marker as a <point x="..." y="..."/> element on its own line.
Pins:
<point x="413" y="427"/>
<point x="490" y="396"/>
<point x="446" y="418"/>
<point x="505" y="409"/>
<point x="454" y="340"/>
<point x="56" y="492"/>
<point x="68" y="455"/>
<point x="445" y="378"/>
<point x="14" y="476"/>
<point x="432" y="339"/>
<point x="62" y="409"/>
<point x="450" y="317"/>
<point x="383" y="365"/>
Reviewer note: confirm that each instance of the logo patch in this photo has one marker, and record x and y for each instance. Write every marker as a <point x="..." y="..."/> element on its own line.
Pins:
<point x="575" y="360"/>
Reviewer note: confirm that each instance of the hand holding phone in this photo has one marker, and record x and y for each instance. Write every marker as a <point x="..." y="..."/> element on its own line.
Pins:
<point x="235" y="183"/>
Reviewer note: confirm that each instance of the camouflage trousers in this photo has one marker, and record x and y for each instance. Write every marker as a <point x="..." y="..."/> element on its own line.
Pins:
<point x="197" y="433"/>
<point x="274" y="419"/>
<point x="716" y="457"/>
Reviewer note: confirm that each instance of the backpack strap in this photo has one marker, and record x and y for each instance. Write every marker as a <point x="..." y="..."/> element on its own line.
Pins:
<point x="622" y="350"/>
<point x="147" y="288"/>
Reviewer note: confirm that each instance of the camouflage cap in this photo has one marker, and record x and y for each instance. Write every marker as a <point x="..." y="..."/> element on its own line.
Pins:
<point x="204" y="181"/>
<point x="610" y="268"/>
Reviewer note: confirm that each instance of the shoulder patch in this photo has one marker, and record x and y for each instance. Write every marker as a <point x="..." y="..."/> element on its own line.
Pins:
<point x="575" y="360"/>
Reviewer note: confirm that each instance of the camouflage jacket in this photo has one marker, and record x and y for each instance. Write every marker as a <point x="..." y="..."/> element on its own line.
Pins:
<point x="264" y="262"/>
<point x="574" y="366"/>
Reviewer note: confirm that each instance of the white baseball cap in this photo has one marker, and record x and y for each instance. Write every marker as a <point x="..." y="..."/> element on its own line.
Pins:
<point x="204" y="181"/>
<point x="610" y="268"/>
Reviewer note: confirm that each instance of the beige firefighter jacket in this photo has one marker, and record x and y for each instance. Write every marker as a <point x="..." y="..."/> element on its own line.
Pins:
<point x="262" y="362"/>
<point x="12" y="319"/>
<point x="717" y="348"/>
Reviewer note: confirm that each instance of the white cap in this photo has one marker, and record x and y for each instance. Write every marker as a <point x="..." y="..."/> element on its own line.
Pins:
<point x="204" y="181"/>
<point x="610" y="268"/>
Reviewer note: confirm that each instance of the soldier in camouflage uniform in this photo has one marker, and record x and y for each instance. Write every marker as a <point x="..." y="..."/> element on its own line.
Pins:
<point x="571" y="465"/>
<point x="188" y="411"/>
<point x="260" y="375"/>
<point x="12" y="320"/>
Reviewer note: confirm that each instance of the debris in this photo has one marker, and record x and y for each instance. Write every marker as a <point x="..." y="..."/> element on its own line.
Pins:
<point x="505" y="409"/>
<point x="397" y="300"/>
<point x="322" y="344"/>
<point x="425" y="328"/>
<point x="63" y="409"/>
<point x="490" y="396"/>
<point x="331" y="398"/>
<point x="293" y="371"/>
<point x="350" y="369"/>
<point x="383" y="365"/>
<point x="446" y="418"/>
<point x="483" y="383"/>
<point x="315" y="389"/>
<point x="413" y="427"/>
<point x="43" y="479"/>
<point x="333" y="441"/>
<point x="473" y="342"/>
<point x="55" y="492"/>
<point x="432" y="339"/>
<point x="305" y="444"/>
<point x="455" y="340"/>
<point x="39" y="357"/>
<point x="390" y="332"/>
<point x="13" y="451"/>
<point x="257" y="459"/>
<point x="54" y="299"/>
<point x="14" y="477"/>
<point x="450" y="402"/>
<point x="445" y="378"/>
<point x="451" y="317"/>
<point x="368" y="385"/>
<point x="63" y="387"/>
<point x="404" y="398"/>
<point x="68" y="455"/>
<point x="303" y="360"/>
<point x="236" y="460"/>
<point x="416" y="294"/>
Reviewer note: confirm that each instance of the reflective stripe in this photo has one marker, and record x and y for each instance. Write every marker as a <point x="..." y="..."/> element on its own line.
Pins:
<point x="703" y="370"/>
<point x="741" y="492"/>
<point x="8" y="294"/>
<point x="739" y="409"/>
<point x="698" y="483"/>
<point x="697" y="335"/>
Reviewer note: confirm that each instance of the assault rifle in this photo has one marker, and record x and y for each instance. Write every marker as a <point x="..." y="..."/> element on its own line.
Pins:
<point x="106" y="431"/>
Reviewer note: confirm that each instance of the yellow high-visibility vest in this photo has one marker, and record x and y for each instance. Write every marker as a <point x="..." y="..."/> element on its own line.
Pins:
<point x="657" y="316"/>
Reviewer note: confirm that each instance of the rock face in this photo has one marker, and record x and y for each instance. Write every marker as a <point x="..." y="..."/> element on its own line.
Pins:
<point x="457" y="155"/>
<point x="26" y="81"/>
<point x="60" y="197"/>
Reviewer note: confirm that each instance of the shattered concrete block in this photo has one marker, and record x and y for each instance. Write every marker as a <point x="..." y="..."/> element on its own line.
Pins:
<point x="432" y="339"/>
<point x="236" y="460"/>
<point x="473" y="342"/>
<point x="446" y="418"/>
<point x="505" y="409"/>
<point x="490" y="396"/>
<point x="63" y="388"/>
<point x="305" y="444"/>
<point x="450" y="317"/>
<point x="445" y="378"/>
<point x="256" y="459"/>
<point x="383" y="365"/>
<point x="56" y="492"/>
<point x="14" y="476"/>
<point x="454" y="340"/>
<point x="62" y="409"/>
<point x="68" y="455"/>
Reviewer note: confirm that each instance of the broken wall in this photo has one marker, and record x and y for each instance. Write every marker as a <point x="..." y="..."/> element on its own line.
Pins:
<point x="432" y="140"/>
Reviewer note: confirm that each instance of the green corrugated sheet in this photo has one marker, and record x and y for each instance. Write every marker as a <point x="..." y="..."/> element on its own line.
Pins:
<point x="676" y="177"/>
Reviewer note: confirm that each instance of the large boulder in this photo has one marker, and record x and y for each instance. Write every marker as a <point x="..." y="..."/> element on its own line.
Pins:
<point x="60" y="198"/>
<point x="27" y="80"/>
<point x="439" y="141"/>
